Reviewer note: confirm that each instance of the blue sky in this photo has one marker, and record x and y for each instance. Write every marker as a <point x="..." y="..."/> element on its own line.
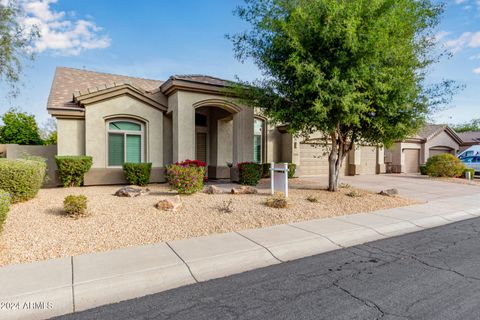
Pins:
<point x="158" y="38"/>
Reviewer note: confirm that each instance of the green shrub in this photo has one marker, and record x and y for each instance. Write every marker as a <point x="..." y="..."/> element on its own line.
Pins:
<point x="21" y="178"/>
<point x="75" y="206"/>
<point x="4" y="207"/>
<point x="137" y="173"/>
<point x="249" y="173"/>
<point x="185" y="179"/>
<point x="291" y="170"/>
<point x="423" y="170"/>
<point x="472" y="172"/>
<point x="444" y="165"/>
<point x="266" y="170"/>
<point x="71" y="169"/>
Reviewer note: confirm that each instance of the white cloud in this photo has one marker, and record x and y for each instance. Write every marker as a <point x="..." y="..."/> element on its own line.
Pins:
<point x="460" y="1"/>
<point x="61" y="33"/>
<point x="476" y="70"/>
<point x="466" y="40"/>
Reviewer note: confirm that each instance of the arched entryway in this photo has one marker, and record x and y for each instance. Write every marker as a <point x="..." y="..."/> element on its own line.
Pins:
<point x="214" y="136"/>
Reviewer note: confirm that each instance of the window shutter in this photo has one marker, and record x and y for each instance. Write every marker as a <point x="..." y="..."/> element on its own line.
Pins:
<point x="134" y="148"/>
<point x="115" y="149"/>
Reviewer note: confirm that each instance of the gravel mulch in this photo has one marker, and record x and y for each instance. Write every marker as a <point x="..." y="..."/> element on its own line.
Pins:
<point x="39" y="230"/>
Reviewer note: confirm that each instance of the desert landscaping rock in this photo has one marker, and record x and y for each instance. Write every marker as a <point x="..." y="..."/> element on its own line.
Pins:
<point x="244" y="190"/>
<point x="131" y="192"/>
<point x="169" y="204"/>
<point x="38" y="230"/>
<point x="212" y="190"/>
<point x="389" y="192"/>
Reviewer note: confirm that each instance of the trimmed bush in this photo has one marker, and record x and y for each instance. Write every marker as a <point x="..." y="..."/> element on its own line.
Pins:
<point x="291" y="170"/>
<point x="21" y="178"/>
<point x="195" y="163"/>
<point x="249" y="173"/>
<point x="444" y="165"/>
<point x="472" y="172"/>
<point x="71" y="169"/>
<point x="75" y="206"/>
<point x="423" y="170"/>
<point x="185" y="179"/>
<point x="137" y="173"/>
<point x="4" y="207"/>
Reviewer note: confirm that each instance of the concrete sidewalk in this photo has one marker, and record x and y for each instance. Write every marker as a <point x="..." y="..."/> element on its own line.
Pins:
<point x="55" y="287"/>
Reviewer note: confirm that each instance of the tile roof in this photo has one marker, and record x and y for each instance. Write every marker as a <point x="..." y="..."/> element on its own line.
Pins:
<point x="199" y="78"/>
<point x="430" y="130"/>
<point x="70" y="81"/>
<point x="470" y="136"/>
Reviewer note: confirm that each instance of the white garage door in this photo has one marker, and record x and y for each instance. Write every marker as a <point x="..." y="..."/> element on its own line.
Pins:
<point x="368" y="160"/>
<point x="314" y="161"/>
<point x="412" y="160"/>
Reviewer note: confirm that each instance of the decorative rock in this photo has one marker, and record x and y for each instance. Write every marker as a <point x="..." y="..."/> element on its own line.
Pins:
<point x="212" y="190"/>
<point x="389" y="192"/>
<point x="131" y="192"/>
<point x="169" y="204"/>
<point x="244" y="190"/>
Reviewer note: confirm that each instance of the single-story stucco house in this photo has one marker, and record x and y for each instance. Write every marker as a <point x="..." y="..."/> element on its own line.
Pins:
<point x="469" y="138"/>
<point x="406" y="156"/>
<point x="117" y="119"/>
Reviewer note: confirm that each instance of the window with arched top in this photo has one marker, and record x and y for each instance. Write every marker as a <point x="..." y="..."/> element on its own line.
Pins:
<point x="125" y="142"/>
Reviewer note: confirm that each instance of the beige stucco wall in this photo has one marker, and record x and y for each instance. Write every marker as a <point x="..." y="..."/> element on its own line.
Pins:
<point x="167" y="139"/>
<point x="443" y="139"/>
<point x="127" y="107"/>
<point x="71" y="137"/>
<point x="274" y="145"/>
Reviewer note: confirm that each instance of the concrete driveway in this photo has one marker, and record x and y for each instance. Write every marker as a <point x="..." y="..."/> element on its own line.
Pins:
<point x="409" y="186"/>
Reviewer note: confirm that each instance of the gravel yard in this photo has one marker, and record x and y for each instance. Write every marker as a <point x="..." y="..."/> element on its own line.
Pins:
<point x="39" y="230"/>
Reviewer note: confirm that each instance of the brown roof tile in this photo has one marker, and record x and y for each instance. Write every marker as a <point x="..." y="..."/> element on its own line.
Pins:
<point x="470" y="136"/>
<point x="199" y="78"/>
<point x="69" y="81"/>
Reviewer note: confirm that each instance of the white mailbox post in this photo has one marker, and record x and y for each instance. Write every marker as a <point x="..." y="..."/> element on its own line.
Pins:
<point x="279" y="177"/>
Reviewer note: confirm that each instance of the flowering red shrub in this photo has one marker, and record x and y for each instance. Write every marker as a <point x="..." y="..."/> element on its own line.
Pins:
<point x="195" y="163"/>
<point x="185" y="179"/>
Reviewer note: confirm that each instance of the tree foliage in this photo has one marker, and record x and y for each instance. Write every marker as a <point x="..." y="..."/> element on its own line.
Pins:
<point x="473" y="125"/>
<point x="352" y="70"/>
<point x="15" y="43"/>
<point x="20" y="128"/>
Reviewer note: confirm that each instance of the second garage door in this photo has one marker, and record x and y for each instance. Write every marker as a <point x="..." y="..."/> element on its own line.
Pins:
<point x="368" y="160"/>
<point x="412" y="160"/>
<point x="314" y="161"/>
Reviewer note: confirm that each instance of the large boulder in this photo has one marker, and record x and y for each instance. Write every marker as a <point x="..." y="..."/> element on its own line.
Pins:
<point x="244" y="190"/>
<point x="169" y="204"/>
<point x="130" y="191"/>
<point x="389" y="192"/>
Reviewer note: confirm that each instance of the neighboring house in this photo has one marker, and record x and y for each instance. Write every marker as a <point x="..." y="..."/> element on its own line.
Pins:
<point x="407" y="156"/>
<point x="469" y="138"/>
<point x="117" y="119"/>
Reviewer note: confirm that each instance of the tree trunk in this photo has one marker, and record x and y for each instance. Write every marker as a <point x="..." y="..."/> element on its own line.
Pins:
<point x="335" y="160"/>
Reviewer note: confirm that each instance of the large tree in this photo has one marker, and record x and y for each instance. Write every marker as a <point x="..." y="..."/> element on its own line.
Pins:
<point x="352" y="70"/>
<point x="15" y="43"/>
<point x="20" y="128"/>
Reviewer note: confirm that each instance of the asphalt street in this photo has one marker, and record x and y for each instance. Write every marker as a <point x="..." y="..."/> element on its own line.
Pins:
<point x="432" y="274"/>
